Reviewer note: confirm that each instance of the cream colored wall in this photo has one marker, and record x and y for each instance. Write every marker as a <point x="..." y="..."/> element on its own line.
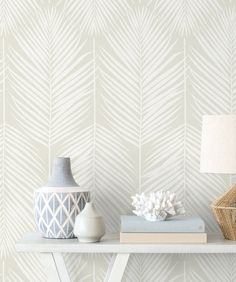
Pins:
<point x="120" y="86"/>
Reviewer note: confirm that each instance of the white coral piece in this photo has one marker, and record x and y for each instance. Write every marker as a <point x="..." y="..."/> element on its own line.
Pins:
<point x="157" y="206"/>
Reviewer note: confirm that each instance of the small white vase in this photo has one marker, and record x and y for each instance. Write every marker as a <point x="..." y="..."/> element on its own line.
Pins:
<point x="89" y="225"/>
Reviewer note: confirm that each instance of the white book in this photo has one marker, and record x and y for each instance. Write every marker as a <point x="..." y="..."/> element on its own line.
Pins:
<point x="177" y="238"/>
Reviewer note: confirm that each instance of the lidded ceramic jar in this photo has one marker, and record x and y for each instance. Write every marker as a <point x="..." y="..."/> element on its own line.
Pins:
<point x="89" y="225"/>
<point x="57" y="204"/>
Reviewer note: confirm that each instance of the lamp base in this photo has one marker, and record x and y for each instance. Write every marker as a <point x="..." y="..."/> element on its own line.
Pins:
<point x="224" y="209"/>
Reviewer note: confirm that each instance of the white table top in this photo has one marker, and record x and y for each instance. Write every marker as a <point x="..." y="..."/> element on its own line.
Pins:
<point x="33" y="242"/>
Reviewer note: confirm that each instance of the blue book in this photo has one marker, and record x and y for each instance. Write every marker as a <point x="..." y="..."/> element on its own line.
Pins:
<point x="178" y="224"/>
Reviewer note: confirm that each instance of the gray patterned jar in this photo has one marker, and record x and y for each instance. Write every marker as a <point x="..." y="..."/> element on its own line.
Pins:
<point x="57" y="204"/>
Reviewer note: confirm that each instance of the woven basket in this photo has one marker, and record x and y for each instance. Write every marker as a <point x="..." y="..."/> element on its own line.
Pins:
<point x="224" y="209"/>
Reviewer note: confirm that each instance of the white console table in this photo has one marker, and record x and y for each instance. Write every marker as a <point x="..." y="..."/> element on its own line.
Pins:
<point x="52" y="250"/>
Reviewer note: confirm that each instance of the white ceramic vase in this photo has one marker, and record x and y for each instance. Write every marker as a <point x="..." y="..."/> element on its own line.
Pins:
<point x="89" y="225"/>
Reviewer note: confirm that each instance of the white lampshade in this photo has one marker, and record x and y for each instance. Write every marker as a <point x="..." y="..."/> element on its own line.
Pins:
<point x="218" y="148"/>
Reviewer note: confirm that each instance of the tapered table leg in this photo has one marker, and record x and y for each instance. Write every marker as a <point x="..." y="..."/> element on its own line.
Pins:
<point x="55" y="268"/>
<point x="117" y="268"/>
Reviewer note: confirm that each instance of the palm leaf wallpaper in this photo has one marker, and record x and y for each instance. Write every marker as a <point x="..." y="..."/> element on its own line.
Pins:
<point x="120" y="87"/>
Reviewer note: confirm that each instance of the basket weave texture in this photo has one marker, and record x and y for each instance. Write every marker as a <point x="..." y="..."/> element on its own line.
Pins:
<point x="224" y="209"/>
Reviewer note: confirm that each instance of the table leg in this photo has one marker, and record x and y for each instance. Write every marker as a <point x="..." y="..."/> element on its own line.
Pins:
<point x="55" y="268"/>
<point x="117" y="268"/>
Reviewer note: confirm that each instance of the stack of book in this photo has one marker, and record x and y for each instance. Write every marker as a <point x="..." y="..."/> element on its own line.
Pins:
<point x="181" y="229"/>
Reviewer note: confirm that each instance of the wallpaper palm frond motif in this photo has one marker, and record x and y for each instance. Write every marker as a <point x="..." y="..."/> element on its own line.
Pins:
<point x="120" y="87"/>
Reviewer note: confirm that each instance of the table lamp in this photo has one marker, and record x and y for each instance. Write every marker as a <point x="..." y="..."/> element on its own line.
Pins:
<point x="218" y="155"/>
